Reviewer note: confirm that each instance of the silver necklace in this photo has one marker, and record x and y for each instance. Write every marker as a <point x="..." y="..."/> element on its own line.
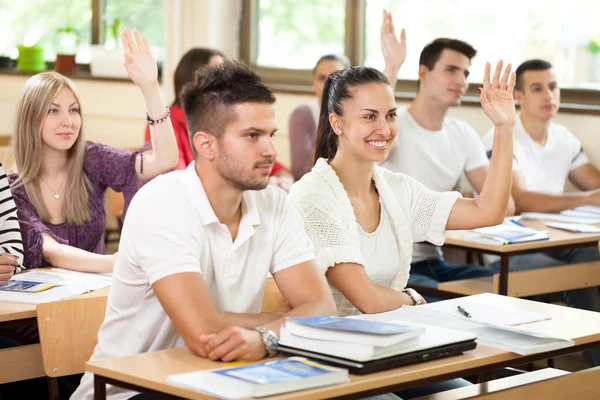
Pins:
<point x="56" y="192"/>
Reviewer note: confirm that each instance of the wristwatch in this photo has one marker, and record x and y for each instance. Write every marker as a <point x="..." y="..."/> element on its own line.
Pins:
<point x="416" y="297"/>
<point x="270" y="340"/>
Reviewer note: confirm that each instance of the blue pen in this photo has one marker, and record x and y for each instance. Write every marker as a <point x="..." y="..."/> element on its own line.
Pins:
<point x="517" y="223"/>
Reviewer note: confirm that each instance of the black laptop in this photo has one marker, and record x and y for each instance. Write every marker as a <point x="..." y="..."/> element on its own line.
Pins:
<point x="434" y="344"/>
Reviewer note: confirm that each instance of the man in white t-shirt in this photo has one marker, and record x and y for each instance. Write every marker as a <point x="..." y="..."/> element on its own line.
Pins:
<point x="436" y="150"/>
<point x="198" y="244"/>
<point x="545" y="156"/>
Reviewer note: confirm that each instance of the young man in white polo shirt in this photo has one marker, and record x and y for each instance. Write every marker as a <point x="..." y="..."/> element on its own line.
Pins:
<point x="545" y="156"/>
<point x="197" y="244"/>
<point x="436" y="149"/>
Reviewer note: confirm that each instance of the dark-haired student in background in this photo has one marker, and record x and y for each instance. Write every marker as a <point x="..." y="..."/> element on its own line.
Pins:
<point x="546" y="155"/>
<point x="436" y="150"/>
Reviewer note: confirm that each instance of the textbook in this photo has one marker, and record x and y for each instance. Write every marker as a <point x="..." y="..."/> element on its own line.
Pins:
<point x="261" y="379"/>
<point x="351" y="351"/>
<point x="347" y="330"/>
<point x="26" y="286"/>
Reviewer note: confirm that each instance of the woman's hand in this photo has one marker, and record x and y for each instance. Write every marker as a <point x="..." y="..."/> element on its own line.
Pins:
<point x="139" y="62"/>
<point x="497" y="96"/>
<point x="8" y="267"/>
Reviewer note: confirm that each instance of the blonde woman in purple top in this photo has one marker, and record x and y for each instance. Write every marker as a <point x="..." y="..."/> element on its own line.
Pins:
<point x="60" y="183"/>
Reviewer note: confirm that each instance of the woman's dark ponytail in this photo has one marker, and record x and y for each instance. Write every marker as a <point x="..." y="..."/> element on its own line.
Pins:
<point x="327" y="141"/>
<point x="335" y="92"/>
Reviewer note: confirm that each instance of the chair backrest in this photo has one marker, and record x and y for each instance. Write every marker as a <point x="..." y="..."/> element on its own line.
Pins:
<point x="7" y="157"/>
<point x="273" y="299"/>
<point x="69" y="332"/>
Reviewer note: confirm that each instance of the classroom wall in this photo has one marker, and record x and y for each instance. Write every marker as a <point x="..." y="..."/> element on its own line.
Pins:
<point x="114" y="113"/>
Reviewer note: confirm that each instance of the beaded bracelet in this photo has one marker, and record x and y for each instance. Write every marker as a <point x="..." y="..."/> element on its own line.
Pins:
<point x="158" y="121"/>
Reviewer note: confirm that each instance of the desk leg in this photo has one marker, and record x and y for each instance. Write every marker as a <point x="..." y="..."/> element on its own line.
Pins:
<point x="99" y="388"/>
<point x="503" y="289"/>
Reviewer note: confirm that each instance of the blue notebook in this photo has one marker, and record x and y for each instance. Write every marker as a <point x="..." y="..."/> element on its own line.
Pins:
<point x="353" y="325"/>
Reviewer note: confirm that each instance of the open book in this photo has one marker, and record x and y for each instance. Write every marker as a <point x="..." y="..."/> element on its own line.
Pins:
<point x="496" y="328"/>
<point x="64" y="284"/>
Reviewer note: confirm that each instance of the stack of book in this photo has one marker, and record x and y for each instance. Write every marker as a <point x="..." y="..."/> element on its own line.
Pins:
<point x="349" y="338"/>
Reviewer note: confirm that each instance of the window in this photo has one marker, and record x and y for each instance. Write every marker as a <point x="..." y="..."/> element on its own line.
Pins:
<point x="559" y="31"/>
<point x="39" y="21"/>
<point x="293" y="35"/>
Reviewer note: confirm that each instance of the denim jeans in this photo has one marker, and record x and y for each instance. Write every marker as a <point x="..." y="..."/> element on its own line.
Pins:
<point x="586" y="298"/>
<point x="434" y="270"/>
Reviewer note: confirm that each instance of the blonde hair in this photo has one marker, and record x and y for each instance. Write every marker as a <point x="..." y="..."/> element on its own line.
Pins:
<point x="34" y="102"/>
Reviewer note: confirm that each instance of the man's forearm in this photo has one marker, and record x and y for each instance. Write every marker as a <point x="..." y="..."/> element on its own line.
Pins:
<point x="541" y="202"/>
<point x="313" y="308"/>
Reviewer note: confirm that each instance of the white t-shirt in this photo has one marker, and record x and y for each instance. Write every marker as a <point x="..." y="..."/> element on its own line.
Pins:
<point x="382" y="259"/>
<point x="544" y="169"/>
<point x="171" y="228"/>
<point x="437" y="159"/>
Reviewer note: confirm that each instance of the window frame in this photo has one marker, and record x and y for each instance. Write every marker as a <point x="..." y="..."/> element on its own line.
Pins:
<point x="579" y="101"/>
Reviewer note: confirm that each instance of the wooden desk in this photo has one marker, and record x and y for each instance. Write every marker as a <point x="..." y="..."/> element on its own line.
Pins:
<point x="25" y="362"/>
<point x="147" y="372"/>
<point x="559" y="240"/>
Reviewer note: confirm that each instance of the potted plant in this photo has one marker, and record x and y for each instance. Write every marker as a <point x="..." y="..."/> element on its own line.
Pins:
<point x="67" y="44"/>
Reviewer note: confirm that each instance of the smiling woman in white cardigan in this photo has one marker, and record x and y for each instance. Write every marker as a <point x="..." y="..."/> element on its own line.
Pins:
<point x="363" y="219"/>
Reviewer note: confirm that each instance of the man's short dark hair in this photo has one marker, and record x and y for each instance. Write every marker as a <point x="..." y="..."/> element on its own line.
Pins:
<point x="432" y="52"/>
<point x="213" y="90"/>
<point x="530" y="65"/>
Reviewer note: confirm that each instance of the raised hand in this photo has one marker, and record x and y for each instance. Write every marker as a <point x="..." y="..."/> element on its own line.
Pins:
<point x="496" y="96"/>
<point x="394" y="49"/>
<point x="139" y="62"/>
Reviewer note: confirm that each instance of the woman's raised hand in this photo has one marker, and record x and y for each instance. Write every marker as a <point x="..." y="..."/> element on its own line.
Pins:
<point x="139" y="62"/>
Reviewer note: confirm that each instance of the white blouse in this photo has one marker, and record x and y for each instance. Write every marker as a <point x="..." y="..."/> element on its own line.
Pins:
<point x="416" y="214"/>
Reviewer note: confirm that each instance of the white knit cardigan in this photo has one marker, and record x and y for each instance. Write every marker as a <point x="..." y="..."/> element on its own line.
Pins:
<point x="417" y="214"/>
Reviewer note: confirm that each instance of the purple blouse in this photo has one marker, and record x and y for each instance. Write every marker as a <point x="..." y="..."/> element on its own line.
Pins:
<point x="303" y="135"/>
<point x="104" y="166"/>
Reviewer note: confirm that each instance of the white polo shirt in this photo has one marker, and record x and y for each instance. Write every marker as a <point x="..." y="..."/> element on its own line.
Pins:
<point x="171" y="228"/>
<point x="437" y="159"/>
<point x="545" y="169"/>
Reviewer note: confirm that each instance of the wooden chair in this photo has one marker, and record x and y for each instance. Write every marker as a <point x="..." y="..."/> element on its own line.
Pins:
<point x="68" y="334"/>
<point x="273" y="299"/>
<point x="115" y="204"/>
<point x="548" y="384"/>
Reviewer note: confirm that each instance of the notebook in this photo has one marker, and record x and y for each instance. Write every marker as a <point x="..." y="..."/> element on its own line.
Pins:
<point x="563" y="217"/>
<point x="579" y="228"/>
<point x="511" y="232"/>
<point x="261" y="379"/>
